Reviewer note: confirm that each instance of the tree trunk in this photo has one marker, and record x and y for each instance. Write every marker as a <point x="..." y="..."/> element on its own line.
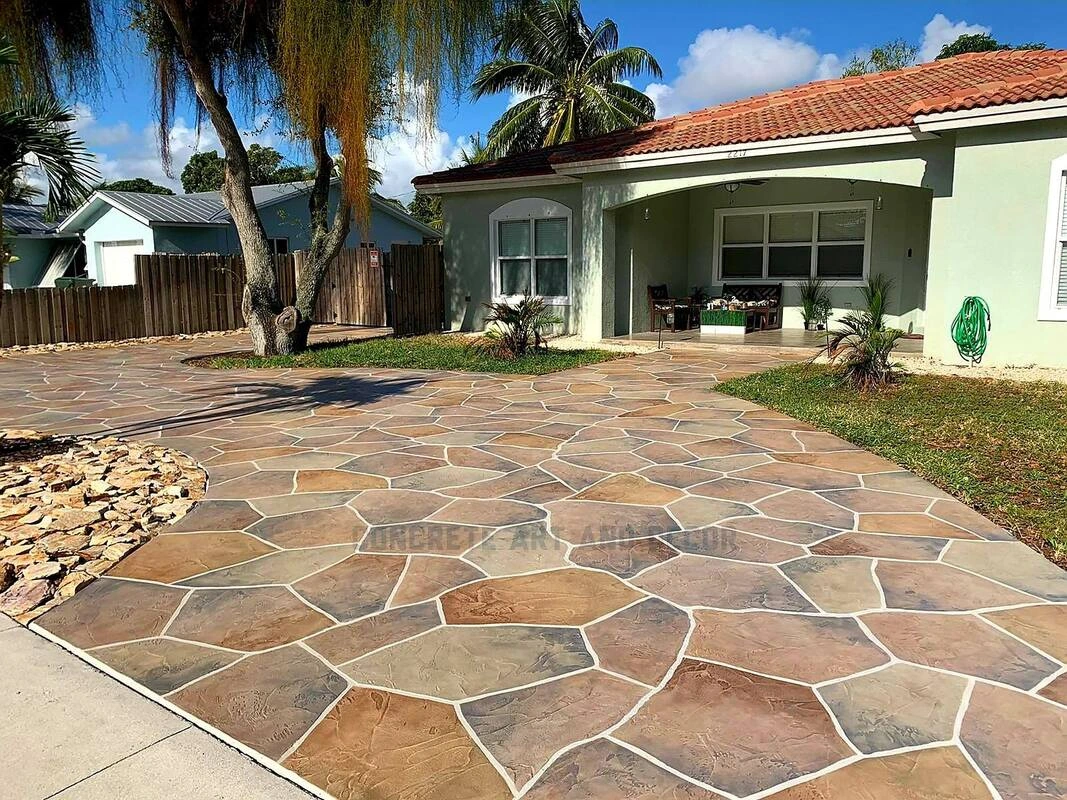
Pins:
<point x="271" y="324"/>
<point x="276" y="329"/>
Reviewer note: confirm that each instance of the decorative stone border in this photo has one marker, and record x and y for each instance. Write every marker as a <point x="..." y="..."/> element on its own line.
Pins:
<point x="71" y="507"/>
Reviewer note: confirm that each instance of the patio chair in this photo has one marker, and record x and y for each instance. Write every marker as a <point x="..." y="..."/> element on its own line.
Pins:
<point x="672" y="310"/>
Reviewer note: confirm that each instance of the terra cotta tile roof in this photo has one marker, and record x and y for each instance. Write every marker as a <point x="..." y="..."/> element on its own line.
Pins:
<point x="843" y="105"/>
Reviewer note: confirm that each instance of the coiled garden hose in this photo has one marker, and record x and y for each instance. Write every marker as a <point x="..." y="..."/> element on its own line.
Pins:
<point x="970" y="329"/>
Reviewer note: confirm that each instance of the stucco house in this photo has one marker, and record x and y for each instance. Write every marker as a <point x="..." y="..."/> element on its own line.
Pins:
<point x="41" y="251"/>
<point x="948" y="177"/>
<point x="115" y="226"/>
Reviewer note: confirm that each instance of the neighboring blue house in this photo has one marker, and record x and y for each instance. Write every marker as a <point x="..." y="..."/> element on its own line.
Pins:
<point x="42" y="252"/>
<point x="116" y="226"/>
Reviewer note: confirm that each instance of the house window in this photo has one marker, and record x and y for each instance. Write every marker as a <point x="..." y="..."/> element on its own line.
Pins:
<point x="531" y="240"/>
<point x="279" y="246"/>
<point x="792" y="243"/>
<point x="1054" y="270"/>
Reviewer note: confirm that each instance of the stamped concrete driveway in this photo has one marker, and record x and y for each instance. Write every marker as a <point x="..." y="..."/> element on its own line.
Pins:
<point x="604" y="583"/>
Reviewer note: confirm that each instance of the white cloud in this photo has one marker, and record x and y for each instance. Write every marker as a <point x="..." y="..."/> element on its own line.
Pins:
<point x="402" y="154"/>
<point x="123" y="153"/>
<point x="940" y="31"/>
<point x="96" y="135"/>
<point x="516" y="96"/>
<point x="730" y="63"/>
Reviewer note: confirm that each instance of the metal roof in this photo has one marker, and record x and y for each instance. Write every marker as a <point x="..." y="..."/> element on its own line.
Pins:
<point x="169" y="209"/>
<point x="28" y="220"/>
<point x="204" y="208"/>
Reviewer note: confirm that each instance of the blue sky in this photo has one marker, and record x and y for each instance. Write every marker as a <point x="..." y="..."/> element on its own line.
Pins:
<point x="710" y="52"/>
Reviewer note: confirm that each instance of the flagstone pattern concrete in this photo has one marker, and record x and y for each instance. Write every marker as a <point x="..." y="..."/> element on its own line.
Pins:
<point x="610" y="582"/>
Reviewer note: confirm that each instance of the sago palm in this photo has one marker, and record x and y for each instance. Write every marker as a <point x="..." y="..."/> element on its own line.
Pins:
<point x="570" y="75"/>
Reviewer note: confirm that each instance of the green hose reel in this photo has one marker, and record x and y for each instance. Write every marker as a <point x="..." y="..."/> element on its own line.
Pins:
<point x="970" y="329"/>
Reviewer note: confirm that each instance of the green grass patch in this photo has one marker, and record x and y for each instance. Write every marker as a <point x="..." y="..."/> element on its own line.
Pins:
<point x="999" y="446"/>
<point x="453" y="353"/>
<point x="722" y="317"/>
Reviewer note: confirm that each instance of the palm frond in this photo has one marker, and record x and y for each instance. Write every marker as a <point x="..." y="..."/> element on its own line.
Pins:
<point x="545" y="48"/>
<point x="521" y="123"/>
<point x="628" y="62"/>
<point x="505" y="75"/>
<point x="36" y="129"/>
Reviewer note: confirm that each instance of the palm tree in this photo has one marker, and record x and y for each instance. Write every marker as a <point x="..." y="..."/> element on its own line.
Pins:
<point x="475" y="151"/>
<point x="570" y="75"/>
<point x="35" y="132"/>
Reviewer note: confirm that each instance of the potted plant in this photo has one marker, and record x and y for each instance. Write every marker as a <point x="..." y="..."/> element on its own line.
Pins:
<point x="721" y="321"/>
<point x="815" y="303"/>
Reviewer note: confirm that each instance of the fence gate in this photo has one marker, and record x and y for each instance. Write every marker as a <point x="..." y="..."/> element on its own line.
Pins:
<point x="415" y="289"/>
<point x="353" y="290"/>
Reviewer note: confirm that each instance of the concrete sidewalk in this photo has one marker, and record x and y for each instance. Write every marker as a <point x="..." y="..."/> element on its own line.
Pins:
<point x="70" y="731"/>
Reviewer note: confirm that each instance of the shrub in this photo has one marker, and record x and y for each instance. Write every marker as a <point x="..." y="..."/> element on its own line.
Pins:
<point x="864" y="345"/>
<point x="815" y="300"/>
<point x="514" y="330"/>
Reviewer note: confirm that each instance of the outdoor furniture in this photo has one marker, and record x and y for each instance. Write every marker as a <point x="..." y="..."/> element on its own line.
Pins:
<point x="676" y="312"/>
<point x="768" y="315"/>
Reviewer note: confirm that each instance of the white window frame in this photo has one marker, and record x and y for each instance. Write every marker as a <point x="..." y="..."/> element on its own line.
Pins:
<point x="273" y="242"/>
<point x="1048" y="310"/>
<point x="530" y="209"/>
<point x="814" y="243"/>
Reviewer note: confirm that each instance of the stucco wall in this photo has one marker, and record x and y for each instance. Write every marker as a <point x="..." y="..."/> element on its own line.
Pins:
<point x="987" y="239"/>
<point x="190" y="239"/>
<point x="112" y="225"/>
<point x="649" y="252"/>
<point x="288" y="219"/>
<point x="899" y="240"/>
<point x="466" y="248"/>
<point x="32" y="256"/>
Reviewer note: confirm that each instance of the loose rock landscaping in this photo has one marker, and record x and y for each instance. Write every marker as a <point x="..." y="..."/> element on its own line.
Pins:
<point x="71" y="507"/>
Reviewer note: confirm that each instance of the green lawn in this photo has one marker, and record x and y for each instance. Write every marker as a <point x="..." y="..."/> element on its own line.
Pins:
<point x="420" y="352"/>
<point x="1000" y="446"/>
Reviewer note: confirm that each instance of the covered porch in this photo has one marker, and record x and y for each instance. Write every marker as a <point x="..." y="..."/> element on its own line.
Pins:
<point x="729" y="238"/>
<point x="790" y="339"/>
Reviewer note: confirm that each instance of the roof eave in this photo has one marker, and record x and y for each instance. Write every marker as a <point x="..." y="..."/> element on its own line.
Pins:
<point x="1000" y="114"/>
<point x="903" y="134"/>
<point x="447" y="187"/>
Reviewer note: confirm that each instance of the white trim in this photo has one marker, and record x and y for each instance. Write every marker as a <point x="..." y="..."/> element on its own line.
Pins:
<point x="814" y="243"/>
<point x="518" y="182"/>
<point x="993" y="115"/>
<point x="797" y="144"/>
<point x="530" y="208"/>
<point x="1047" y="310"/>
<point x="92" y="201"/>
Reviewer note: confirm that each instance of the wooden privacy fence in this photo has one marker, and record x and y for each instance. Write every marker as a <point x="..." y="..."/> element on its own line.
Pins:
<point x="415" y="289"/>
<point x="199" y="293"/>
<point x="84" y="314"/>
<point x="177" y="294"/>
<point x="353" y="291"/>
